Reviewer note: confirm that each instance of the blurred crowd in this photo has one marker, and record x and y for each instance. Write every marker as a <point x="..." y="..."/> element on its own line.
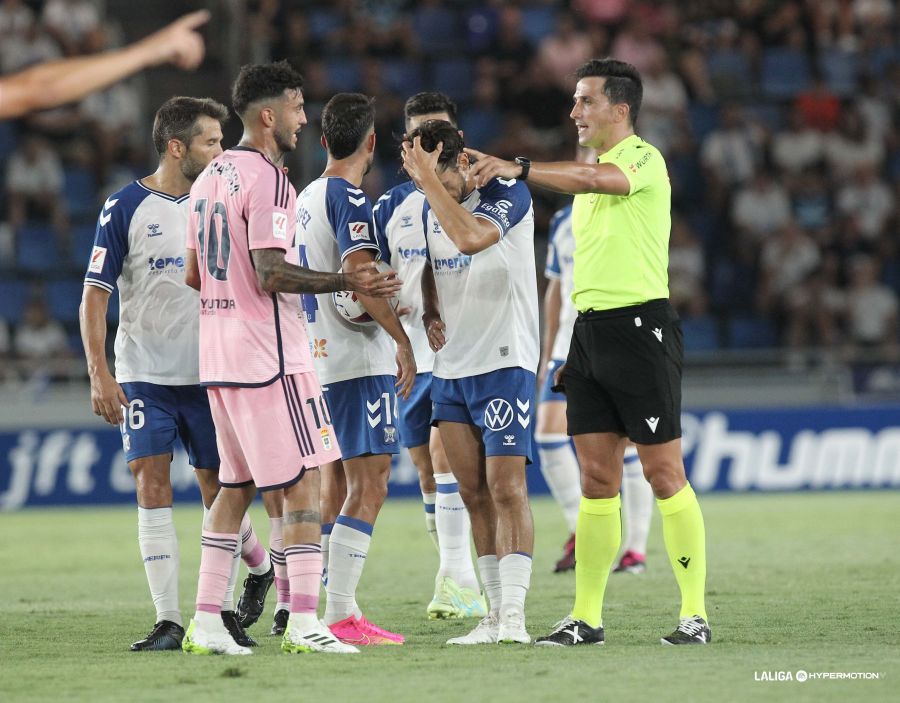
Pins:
<point x="778" y="120"/>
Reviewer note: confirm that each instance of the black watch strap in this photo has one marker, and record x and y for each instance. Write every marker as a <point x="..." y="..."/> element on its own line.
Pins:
<point x="526" y="167"/>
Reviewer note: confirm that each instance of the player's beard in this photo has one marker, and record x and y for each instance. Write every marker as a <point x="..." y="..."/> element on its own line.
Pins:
<point x="284" y="140"/>
<point x="191" y="168"/>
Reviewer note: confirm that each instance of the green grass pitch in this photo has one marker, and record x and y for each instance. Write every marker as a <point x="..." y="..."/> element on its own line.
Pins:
<point x="795" y="582"/>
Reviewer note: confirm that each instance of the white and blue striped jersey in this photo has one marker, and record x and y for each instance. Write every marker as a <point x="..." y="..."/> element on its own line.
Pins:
<point x="139" y="249"/>
<point x="334" y="218"/>
<point x="560" y="265"/>
<point x="398" y="221"/>
<point x="488" y="301"/>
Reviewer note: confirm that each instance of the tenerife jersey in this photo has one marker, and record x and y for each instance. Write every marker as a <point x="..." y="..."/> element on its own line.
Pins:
<point x="398" y="222"/>
<point x="560" y="263"/>
<point x="139" y="248"/>
<point x="623" y="240"/>
<point x="334" y="219"/>
<point x="488" y="301"/>
<point x="248" y="337"/>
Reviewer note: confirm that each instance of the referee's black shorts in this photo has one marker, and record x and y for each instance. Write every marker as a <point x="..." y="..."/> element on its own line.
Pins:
<point x="623" y="373"/>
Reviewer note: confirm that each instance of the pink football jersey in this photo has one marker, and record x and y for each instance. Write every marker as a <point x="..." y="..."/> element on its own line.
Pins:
<point x="248" y="337"/>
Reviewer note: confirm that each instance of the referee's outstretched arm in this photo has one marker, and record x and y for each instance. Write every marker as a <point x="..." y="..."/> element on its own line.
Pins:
<point x="560" y="176"/>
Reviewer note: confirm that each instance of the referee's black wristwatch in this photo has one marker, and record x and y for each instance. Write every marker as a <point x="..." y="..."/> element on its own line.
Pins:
<point x="526" y="167"/>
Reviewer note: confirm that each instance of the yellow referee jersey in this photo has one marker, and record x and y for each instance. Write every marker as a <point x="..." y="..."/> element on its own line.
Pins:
<point x="622" y="241"/>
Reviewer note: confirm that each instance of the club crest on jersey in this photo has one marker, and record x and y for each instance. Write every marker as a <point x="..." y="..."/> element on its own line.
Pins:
<point x="98" y="256"/>
<point x="498" y="415"/>
<point x="153" y="230"/>
<point x="359" y="231"/>
<point x="390" y="434"/>
<point x="326" y="438"/>
<point x="279" y="225"/>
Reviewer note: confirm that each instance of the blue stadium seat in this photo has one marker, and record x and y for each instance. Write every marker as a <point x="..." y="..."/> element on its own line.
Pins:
<point x="701" y="334"/>
<point x="323" y="22"/>
<point x="36" y="248"/>
<point x="481" y="126"/>
<point x="82" y="244"/>
<point x="879" y="59"/>
<point x="751" y="333"/>
<point x="8" y="139"/>
<point x="840" y="69"/>
<point x="538" y="22"/>
<point x="453" y="77"/>
<point x="343" y="76"/>
<point x="63" y="299"/>
<point x="13" y="296"/>
<point x="80" y="192"/>
<point x="703" y="118"/>
<point x="730" y="73"/>
<point x="436" y="29"/>
<point x="404" y="77"/>
<point x="784" y="72"/>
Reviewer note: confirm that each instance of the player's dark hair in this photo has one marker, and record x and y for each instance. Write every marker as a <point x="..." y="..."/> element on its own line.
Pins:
<point x="263" y="81"/>
<point x="436" y="132"/>
<point x="623" y="82"/>
<point x="428" y="103"/>
<point x="346" y="120"/>
<point x="177" y="119"/>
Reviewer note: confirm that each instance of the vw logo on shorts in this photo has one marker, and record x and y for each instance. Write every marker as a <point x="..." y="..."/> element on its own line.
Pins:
<point x="498" y="415"/>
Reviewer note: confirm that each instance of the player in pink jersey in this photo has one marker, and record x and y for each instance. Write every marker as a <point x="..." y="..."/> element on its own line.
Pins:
<point x="273" y="425"/>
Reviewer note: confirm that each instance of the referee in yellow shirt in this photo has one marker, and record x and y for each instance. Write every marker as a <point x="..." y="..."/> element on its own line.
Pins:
<point x="622" y="378"/>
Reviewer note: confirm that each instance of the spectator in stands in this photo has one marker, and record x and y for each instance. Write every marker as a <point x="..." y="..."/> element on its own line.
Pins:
<point x="798" y="146"/>
<point x="32" y="46"/>
<point x="40" y="342"/>
<point x="852" y="145"/>
<point x="687" y="270"/>
<point x="868" y="199"/>
<point x="787" y="259"/>
<point x="871" y="308"/>
<point x="761" y="207"/>
<point x="664" y="105"/>
<point x="75" y="24"/>
<point x="544" y="102"/>
<point x="819" y="106"/>
<point x="563" y="51"/>
<point x="815" y="307"/>
<point x="731" y="153"/>
<point x="16" y="19"/>
<point x="510" y="49"/>
<point x="811" y="204"/>
<point x="635" y="43"/>
<point x="34" y="185"/>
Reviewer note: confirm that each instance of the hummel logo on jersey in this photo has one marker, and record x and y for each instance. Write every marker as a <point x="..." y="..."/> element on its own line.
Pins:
<point x="652" y="422"/>
<point x="684" y="561"/>
<point x="406" y="221"/>
<point x="153" y="230"/>
<point x="498" y="415"/>
<point x="657" y="332"/>
<point x="523" y="417"/>
<point x="106" y="215"/>
<point x="374" y="413"/>
<point x="356" y="201"/>
<point x="98" y="256"/>
<point x="358" y="230"/>
<point x="509" y="440"/>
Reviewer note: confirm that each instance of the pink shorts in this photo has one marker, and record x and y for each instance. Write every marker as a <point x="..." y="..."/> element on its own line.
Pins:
<point x="270" y="435"/>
